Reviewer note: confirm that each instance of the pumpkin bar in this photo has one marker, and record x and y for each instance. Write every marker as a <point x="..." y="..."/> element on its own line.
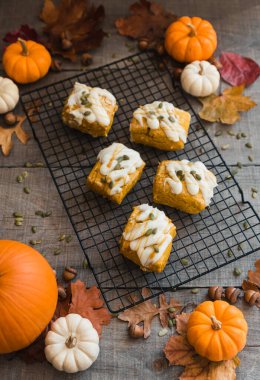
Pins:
<point x="147" y="238"/>
<point x="116" y="171"/>
<point x="160" y="125"/>
<point x="184" y="185"/>
<point x="90" y="110"/>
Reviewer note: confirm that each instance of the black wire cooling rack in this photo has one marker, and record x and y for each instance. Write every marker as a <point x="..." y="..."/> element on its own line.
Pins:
<point x="226" y="231"/>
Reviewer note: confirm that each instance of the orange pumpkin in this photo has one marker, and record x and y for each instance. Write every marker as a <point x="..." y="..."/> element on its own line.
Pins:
<point x="26" y="61"/>
<point x="217" y="330"/>
<point x="28" y="295"/>
<point x="190" y="39"/>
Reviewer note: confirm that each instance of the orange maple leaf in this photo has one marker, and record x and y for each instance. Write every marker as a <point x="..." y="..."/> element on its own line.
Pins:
<point x="225" y="108"/>
<point x="164" y="309"/>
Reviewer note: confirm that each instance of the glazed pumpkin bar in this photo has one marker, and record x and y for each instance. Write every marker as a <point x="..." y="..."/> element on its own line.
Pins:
<point x="184" y="185"/>
<point x="90" y="109"/>
<point x="160" y="125"/>
<point x="147" y="238"/>
<point x="116" y="171"/>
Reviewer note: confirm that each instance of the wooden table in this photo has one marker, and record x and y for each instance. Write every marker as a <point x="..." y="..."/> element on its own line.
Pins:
<point x="237" y="25"/>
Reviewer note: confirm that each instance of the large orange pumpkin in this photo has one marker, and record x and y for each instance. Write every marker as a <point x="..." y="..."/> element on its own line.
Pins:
<point x="26" y="61"/>
<point x="217" y="330"/>
<point x="190" y="39"/>
<point x="28" y="295"/>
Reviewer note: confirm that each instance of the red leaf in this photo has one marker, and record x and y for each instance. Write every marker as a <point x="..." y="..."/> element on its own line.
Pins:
<point x="237" y="70"/>
<point x="25" y="32"/>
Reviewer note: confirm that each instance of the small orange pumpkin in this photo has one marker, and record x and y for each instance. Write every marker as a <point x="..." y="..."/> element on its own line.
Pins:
<point x="26" y="61"/>
<point x="28" y="295"/>
<point x="190" y="39"/>
<point x="217" y="330"/>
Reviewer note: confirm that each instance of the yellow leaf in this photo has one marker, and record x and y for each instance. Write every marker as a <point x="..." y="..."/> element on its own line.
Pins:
<point x="225" y="108"/>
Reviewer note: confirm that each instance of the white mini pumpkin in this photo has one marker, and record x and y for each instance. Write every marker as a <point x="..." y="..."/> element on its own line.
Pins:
<point x="200" y="78"/>
<point x="9" y="95"/>
<point x="72" y="344"/>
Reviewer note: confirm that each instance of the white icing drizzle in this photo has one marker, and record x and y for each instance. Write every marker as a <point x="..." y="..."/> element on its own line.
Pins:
<point x="117" y="163"/>
<point x="149" y="237"/>
<point x="84" y="103"/>
<point x="196" y="176"/>
<point x="161" y="115"/>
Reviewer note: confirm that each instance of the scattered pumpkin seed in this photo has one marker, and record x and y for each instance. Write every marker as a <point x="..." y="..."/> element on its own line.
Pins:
<point x="225" y="146"/>
<point x="19" y="179"/>
<point x="195" y="291"/>
<point x="87" y="113"/>
<point x="25" y="174"/>
<point x="111" y="184"/>
<point x="254" y="194"/>
<point x="237" y="272"/>
<point x="254" y="189"/>
<point x="68" y="239"/>
<point x="57" y="251"/>
<point x="231" y="133"/>
<point x="26" y="190"/>
<point x="62" y="237"/>
<point x="28" y="165"/>
<point x="149" y="232"/>
<point x="18" y="223"/>
<point x="239" y="164"/>
<point x="154" y="231"/>
<point x="230" y="253"/>
<point x="171" y="309"/>
<point x="239" y="247"/>
<point x="39" y="213"/>
<point x="160" y="105"/>
<point x="47" y="214"/>
<point x="39" y="164"/>
<point x="17" y="215"/>
<point x="238" y="136"/>
<point x="35" y="242"/>
<point x="161" y="117"/>
<point x="85" y="264"/>
<point x="151" y="216"/>
<point x="198" y="177"/>
<point x="171" y="118"/>
<point x="248" y="145"/>
<point x="228" y="177"/>
<point x="103" y="180"/>
<point x="234" y="172"/>
<point x="218" y="133"/>
<point x="245" y="226"/>
<point x="117" y="167"/>
<point x="34" y="229"/>
<point x="184" y="261"/>
<point x="243" y="134"/>
<point x="163" y="332"/>
<point x="170" y="323"/>
<point x="19" y="219"/>
<point x="250" y="158"/>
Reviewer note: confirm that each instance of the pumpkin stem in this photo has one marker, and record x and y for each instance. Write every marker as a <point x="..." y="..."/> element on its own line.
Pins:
<point x="216" y="324"/>
<point x="71" y="342"/>
<point x="192" y="30"/>
<point x="24" y="46"/>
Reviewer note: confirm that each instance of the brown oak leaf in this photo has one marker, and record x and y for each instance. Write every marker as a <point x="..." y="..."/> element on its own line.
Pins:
<point x="164" y="309"/>
<point x="254" y="276"/>
<point x="6" y="135"/>
<point x="88" y="304"/>
<point x="72" y="27"/>
<point x="225" y="108"/>
<point x="144" y="312"/>
<point x="182" y="323"/>
<point x="202" y="369"/>
<point x="178" y="351"/>
<point x="147" y="20"/>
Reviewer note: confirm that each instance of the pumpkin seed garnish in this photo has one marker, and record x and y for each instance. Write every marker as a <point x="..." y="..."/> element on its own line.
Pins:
<point x="250" y="158"/>
<point x="125" y="157"/>
<point x="225" y="146"/>
<point x="243" y="134"/>
<point x="25" y="174"/>
<point x="161" y="117"/>
<point x="17" y="215"/>
<point x="111" y="184"/>
<point x="230" y="253"/>
<point x="248" y="145"/>
<point x="171" y="309"/>
<point x="103" y="180"/>
<point x="245" y="226"/>
<point x="117" y="167"/>
<point x="18" y="223"/>
<point x="198" y="177"/>
<point x="218" y="133"/>
<point x="34" y="229"/>
<point x="237" y="272"/>
<point x="180" y="175"/>
<point x="231" y="133"/>
<point x="68" y="239"/>
<point x="62" y="237"/>
<point x="87" y="113"/>
<point x="149" y="232"/>
<point x="26" y="190"/>
<point x="85" y="264"/>
<point x="184" y="261"/>
<point x="151" y="216"/>
<point x="156" y="249"/>
<point x="19" y="218"/>
<point x="57" y="251"/>
<point x="19" y="179"/>
<point x="238" y="136"/>
<point x="195" y="291"/>
<point x="160" y="105"/>
<point x="171" y="118"/>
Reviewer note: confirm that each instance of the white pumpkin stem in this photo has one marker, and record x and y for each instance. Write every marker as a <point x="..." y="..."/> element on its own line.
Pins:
<point x="24" y="46"/>
<point x="71" y="342"/>
<point x="192" y="30"/>
<point x="216" y="324"/>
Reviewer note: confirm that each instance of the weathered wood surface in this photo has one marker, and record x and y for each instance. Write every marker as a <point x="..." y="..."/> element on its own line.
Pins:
<point x="237" y="25"/>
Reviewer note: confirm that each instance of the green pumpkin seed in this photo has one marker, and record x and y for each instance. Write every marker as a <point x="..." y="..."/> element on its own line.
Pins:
<point x="248" y="145"/>
<point x="239" y="164"/>
<point x="25" y="174"/>
<point x="238" y="136"/>
<point x="161" y="117"/>
<point x="68" y="239"/>
<point x="170" y="323"/>
<point x="111" y="184"/>
<point x="184" y="261"/>
<point x="39" y="213"/>
<point x="198" y="177"/>
<point x="231" y="133"/>
<point x="195" y="291"/>
<point x="160" y="105"/>
<point x="47" y="214"/>
<point x="171" y="118"/>
<point x="26" y="190"/>
<point x="28" y="165"/>
<point x="57" y="251"/>
<point x="117" y="167"/>
<point x="243" y="134"/>
<point x="163" y="332"/>
<point x="18" y="223"/>
<point x="218" y="133"/>
<point x="245" y="226"/>
<point x="19" y="219"/>
<point x="87" y="113"/>
<point x="103" y="180"/>
<point x="151" y="216"/>
<point x="230" y="253"/>
<point x="225" y="146"/>
<point x="250" y="158"/>
<point x="254" y="189"/>
<point x="237" y="272"/>
<point x="254" y="195"/>
<point x="34" y="229"/>
<point x="17" y="215"/>
<point x="239" y="247"/>
<point x="62" y="237"/>
<point x="171" y="309"/>
<point x="85" y="264"/>
<point x="39" y="164"/>
<point x="149" y="232"/>
<point x="19" y="179"/>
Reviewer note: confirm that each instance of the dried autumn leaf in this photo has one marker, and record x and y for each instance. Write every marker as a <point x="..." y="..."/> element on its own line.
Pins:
<point x="225" y="108"/>
<point x="179" y="352"/>
<point x="88" y="304"/>
<point x="254" y="276"/>
<point x="202" y="369"/>
<point x="144" y="312"/>
<point x="7" y="133"/>
<point x="72" y="27"/>
<point x="25" y="32"/>
<point x="164" y="306"/>
<point x="248" y="285"/>
<point x="182" y="323"/>
<point x="237" y="69"/>
<point x="147" y="20"/>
